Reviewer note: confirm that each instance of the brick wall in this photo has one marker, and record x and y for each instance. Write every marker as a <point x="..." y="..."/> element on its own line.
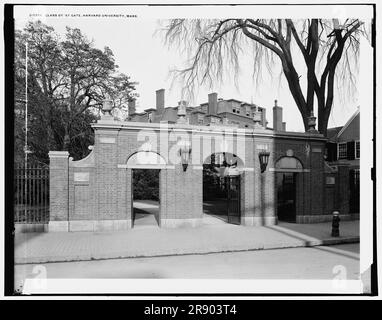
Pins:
<point x="96" y="192"/>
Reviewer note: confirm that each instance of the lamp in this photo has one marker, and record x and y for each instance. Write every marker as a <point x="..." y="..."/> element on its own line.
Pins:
<point x="263" y="157"/>
<point x="184" y="151"/>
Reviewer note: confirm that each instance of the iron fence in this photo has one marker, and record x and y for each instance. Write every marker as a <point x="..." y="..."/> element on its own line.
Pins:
<point x="31" y="195"/>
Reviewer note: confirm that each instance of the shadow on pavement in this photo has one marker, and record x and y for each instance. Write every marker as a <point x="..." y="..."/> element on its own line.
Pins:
<point x="341" y="252"/>
<point x="21" y="238"/>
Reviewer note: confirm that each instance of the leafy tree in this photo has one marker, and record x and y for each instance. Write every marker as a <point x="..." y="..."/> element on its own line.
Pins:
<point x="67" y="81"/>
<point x="146" y="184"/>
<point x="329" y="50"/>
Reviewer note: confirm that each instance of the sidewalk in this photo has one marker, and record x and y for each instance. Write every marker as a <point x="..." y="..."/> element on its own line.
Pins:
<point x="153" y="241"/>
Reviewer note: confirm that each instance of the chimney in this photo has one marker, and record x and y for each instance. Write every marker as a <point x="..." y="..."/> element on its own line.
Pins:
<point x="182" y="103"/>
<point x="213" y="103"/>
<point x="160" y="101"/>
<point x="264" y="117"/>
<point x="284" y="126"/>
<point x="131" y="106"/>
<point x="277" y="117"/>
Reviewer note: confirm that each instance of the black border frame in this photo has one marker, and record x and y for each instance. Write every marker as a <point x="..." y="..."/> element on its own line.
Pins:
<point x="9" y="164"/>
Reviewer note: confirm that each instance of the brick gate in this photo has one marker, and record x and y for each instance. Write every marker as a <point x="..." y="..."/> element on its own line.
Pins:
<point x="94" y="194"/>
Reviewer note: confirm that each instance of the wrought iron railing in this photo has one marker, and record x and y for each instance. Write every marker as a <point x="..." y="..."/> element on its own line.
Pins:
<point x="31" y="195"/>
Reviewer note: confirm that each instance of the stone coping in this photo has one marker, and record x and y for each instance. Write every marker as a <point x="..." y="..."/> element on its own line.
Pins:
<point x="130" y="125"/>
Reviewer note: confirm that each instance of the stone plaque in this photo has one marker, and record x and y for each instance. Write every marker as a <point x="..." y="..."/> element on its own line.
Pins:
<point x="81" y="176"/>
<point x="106" y="140"/>
<point x="330" y="180"/>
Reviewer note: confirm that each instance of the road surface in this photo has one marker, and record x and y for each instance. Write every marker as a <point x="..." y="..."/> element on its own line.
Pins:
<point x="292" y="263"/>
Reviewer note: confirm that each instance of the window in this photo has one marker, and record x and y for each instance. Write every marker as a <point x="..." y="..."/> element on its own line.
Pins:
<point x="357" y="150"/>
<point x="342" y="150"/>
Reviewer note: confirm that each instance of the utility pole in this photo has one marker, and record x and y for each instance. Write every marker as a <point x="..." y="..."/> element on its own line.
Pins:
<point x="26" y="130"/>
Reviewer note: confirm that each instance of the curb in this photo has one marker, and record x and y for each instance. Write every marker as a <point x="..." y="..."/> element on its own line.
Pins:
<point x="199" y="251"/>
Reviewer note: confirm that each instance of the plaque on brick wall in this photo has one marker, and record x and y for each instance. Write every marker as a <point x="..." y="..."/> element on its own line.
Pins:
<point x="330" y="180"/>
<point x="107" y="140"/>
<point x="81" y="176"/>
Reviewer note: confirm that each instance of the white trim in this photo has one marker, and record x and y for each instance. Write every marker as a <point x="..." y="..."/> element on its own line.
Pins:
<point x="215" y="129"/>
<point x="355" y="149"/>
<point x="145" y="166"/>
<point x="288" y="170"/>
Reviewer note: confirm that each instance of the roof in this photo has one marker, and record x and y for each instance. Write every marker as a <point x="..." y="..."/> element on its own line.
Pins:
<point x="150" y="109"/>
<point x="348" y="122"/>
<point x="332" y="133"/>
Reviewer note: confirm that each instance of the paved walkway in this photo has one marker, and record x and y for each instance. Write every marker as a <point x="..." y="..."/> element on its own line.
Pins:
<point x="154" y="241"/>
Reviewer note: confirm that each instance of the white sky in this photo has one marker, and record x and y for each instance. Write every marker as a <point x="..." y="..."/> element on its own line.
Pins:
<point x="143" y="56"/>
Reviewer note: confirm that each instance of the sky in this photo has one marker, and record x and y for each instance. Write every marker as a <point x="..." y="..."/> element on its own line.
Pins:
<point x="140" y="52"/>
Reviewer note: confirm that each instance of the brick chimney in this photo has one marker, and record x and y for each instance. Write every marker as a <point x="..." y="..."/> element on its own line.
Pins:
<point x="264" y="117"/>
<point x="131" y="106"/>
<point x="277" y="117"/>
<point x="213" y="103"/>
<point x="160" y="101"/>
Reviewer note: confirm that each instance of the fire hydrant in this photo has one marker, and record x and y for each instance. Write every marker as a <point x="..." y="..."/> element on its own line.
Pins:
<point x="336" y="224"/>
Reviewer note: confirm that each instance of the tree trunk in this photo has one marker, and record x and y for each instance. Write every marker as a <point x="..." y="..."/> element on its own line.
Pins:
<point x="295" y="88"/>
<point x="323" y="120"/>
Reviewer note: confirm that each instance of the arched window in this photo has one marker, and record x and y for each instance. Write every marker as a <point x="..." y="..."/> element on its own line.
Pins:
<point x="288" y="163"/>
<point x="142" y="159"/>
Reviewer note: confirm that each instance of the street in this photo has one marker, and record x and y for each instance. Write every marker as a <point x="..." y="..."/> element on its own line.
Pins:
<point x="293" y="263"/>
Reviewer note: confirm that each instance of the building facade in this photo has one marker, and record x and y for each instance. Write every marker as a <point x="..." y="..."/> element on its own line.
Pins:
<point x="271" y="174"/>
<point x="343" y="147"/>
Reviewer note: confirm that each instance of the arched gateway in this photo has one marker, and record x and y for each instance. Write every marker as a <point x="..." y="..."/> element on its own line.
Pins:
<point x="222" y="172"/>
<point x="95" y="193"/>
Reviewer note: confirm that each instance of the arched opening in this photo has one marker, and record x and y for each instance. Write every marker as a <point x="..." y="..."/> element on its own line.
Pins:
<point x="287" y="177"/>
<point x="145" y="174"/>
<point x="221" y="188"/>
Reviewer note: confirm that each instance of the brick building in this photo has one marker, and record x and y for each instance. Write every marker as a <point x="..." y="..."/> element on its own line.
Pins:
<point x="343" y="147"/>
<point x="216" y="111"/>
<point x="269" y="174"/>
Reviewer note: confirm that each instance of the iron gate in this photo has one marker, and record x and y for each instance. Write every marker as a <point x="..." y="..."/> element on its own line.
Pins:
<point x="31" y="195"/>
<point x="233" y="199"/>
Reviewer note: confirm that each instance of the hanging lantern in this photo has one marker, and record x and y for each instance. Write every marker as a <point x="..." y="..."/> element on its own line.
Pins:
<point x="263" y="157"/>
<point x="184" y="151"/>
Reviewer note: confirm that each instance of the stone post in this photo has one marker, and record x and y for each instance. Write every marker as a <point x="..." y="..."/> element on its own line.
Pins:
<point x="59" y="191"/>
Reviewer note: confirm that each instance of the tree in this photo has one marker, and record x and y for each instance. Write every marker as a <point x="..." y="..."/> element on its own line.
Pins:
<point x="146" y="184"/>
<point x="214" y="46"/>
<point x="67" y="81"/>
